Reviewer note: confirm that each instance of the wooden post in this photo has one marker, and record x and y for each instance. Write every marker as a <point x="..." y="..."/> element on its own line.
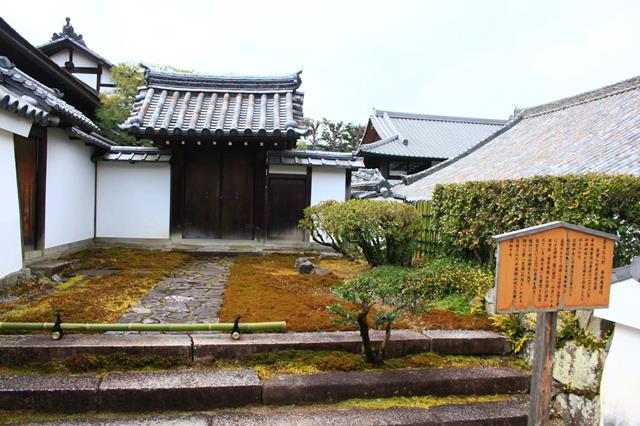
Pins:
<point x="541" y="378"/>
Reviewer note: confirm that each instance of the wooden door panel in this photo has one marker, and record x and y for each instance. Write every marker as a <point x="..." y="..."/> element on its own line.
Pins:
<point x="287" y="200"/>
<point x="237" y="196"/>
<point x="26" y="156"/>
<point x="201" y="204"/>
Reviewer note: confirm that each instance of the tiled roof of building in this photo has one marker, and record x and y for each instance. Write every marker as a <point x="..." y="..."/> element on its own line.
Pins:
<point x="594" y="132"/>
<point x="202" y="105"/>
<point x="345" y="160"/>
<point x="370" y="184"/>
<point x="31" y="99"/>
<point x="134" y="154"/>
<point x="426" y="136"/>
<point x="90" y="137"/>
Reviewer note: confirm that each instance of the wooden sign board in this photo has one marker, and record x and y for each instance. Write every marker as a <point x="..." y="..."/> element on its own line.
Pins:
<point x="552" y="267"/>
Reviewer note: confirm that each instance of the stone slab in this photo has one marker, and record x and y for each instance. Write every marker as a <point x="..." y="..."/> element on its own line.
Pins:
<point x="179" y="390"/>
<point x="502" y="413"/>
<point x="467" y="342"/>
<point x="49" y="267"/>
<point x="364" y="417"/>
<point x="187" y="420"/>
<point x="20" y="349"/>
<point x="339" y="386"/>
<point x="220" y="346"/>
<point x="49" y="393"/>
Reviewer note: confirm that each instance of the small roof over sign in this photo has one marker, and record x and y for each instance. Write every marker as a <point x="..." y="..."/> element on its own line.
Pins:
<point x="552" y="225"/>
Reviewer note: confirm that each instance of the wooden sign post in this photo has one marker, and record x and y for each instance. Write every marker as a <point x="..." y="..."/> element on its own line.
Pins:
<point x="546" y="269"/>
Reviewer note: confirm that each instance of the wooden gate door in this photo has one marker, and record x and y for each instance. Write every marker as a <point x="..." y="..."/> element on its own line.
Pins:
<point x="26" y="153"/>
<point x="202" y="178"/>
<point x="238" y="174"/>
<point x="287" y="200"/>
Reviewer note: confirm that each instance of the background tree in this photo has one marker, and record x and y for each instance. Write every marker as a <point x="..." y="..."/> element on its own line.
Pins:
<point x="327" y="135"/>
<point x="116" y="106"/>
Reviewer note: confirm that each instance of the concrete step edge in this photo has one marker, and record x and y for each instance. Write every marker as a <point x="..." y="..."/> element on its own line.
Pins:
<point x="18" y="349"/>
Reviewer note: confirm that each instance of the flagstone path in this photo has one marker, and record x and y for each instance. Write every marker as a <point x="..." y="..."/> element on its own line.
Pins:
<point x="191" y="294"/>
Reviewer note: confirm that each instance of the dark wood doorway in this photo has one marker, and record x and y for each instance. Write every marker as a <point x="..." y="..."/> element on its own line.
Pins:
<point x="219" y="189"/>
<point x="288" y="197"/>
<point x="30" y="157"/>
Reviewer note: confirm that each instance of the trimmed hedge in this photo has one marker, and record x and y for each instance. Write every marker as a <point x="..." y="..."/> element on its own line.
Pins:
<point x="469" y="214"/>
<point x="384" y="232"/>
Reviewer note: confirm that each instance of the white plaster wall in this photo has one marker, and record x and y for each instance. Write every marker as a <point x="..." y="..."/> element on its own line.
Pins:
<point x="133" y="200"/>
<point x="10" y="238"/>
<point x="60" y="57"/>
<point x="327" y="184"/>
<point x="620" y="385"/>
<point x="89" y="79"/>
<point x="70" y="192"/>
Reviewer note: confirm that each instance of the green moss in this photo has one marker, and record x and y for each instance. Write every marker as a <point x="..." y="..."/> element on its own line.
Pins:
<point x="419" y="401"/>
<point x="71" y="282"/>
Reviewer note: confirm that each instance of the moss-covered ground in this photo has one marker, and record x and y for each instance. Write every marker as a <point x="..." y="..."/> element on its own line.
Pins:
<point x="99" y="298"/>
<point x="268" y="288"/>
<point x="266" y="365"/>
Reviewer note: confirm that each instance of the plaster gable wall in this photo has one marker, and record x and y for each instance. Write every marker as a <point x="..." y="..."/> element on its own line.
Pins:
<point x="11" y="241"/>
<point x="133" y="200"/>
<point x="60" y="57"/>
<point x="70" y="191"/>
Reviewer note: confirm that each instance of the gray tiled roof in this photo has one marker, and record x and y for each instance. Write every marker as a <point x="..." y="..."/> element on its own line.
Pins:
<point x="343" y="160"/>
<point x="137" y="154"/>
<point x="202" y="105"/>
<point x="595" y="132"/>
<point x="92" y="138"/>
<point x="31" y="99"/>
<point x="426" y="136"/>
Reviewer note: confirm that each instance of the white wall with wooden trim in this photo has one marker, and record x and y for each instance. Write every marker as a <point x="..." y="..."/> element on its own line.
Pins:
<point x="11" y="240"/>
<point x="70" y="191"/>
<point x="328" y="183"/>
<point x="133" y="200"/>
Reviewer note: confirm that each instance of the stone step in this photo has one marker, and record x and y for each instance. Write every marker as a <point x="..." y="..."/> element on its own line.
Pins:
<point x="21" y="349"/>
<point x="17" y="349"/>
<point x="173" y="390"/>
<point x="339" y="386"/>
<point x="49" y="267"/>
<point x="69" y="394"/>
<point x="179" y="390"/>
<point x="503" y="413"/>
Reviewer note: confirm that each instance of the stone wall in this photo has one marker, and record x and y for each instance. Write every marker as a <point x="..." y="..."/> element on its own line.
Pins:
<point x="583" y="343"/>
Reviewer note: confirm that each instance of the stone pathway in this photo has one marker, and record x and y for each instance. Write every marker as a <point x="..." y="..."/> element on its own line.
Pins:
<point x="192" y="294"/>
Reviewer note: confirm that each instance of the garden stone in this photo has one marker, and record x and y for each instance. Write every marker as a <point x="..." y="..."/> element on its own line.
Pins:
<point x="150" y="321"/>
<point x="578" y="367"/>
<point x="578" y="410"/>
<point x="490" y="301"/>
<point x="320" y="271"/>
<point x="56" y="278"/>
<point x="306" y="267"/>
<point x="299" y="261"/>
<point x="140" y="310"/>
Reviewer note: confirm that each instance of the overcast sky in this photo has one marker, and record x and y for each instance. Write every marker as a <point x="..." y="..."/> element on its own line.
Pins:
<point x="465" y="58"/>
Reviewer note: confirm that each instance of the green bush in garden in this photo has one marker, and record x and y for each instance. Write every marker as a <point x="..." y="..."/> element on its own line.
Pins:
<point x="442" y="277"/>
<point x="384" y="232"/>
<point x="469" y="214"/>
<point x="386" y="289"/>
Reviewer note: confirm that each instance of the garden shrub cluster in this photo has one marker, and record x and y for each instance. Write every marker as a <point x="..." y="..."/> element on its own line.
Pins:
<point x="384" y="232"/>
<point x="390" y="292"/>
<point x="469" y="214"/>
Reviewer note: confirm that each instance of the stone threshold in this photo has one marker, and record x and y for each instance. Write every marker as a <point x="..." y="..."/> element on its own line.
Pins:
<point x="188" y="390"/>
<point x="20" y="349"/>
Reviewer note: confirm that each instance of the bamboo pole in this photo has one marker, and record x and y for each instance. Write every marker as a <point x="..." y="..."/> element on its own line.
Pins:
<point x="72" y="326"/>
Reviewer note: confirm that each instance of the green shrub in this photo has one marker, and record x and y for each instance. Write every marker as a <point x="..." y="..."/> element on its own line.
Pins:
<point x="384" y="232"/>
<point x="469" y="214"/>
<point x="441" y="278"/>
<point x="388" y="290"/>
<point x="511" y="326"/>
